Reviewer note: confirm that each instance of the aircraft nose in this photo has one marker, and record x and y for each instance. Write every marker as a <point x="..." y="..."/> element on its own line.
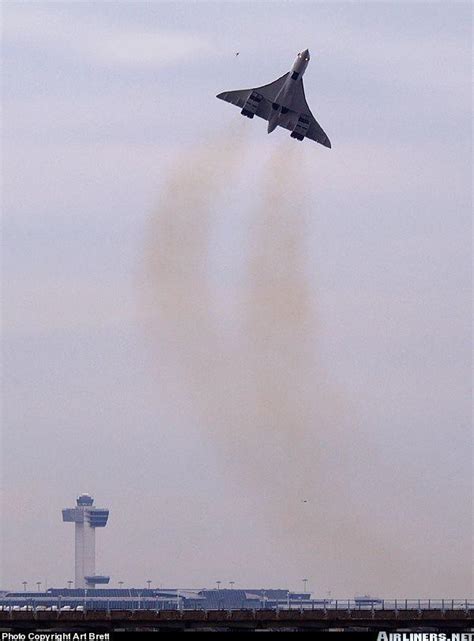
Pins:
<point x="305" y="54"/>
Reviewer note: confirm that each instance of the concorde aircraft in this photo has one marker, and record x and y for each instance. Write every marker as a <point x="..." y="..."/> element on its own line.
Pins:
<point x="282" y="103"/>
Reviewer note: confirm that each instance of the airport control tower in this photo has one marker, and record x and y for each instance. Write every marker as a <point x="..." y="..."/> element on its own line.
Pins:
<point x="87" y="518"/>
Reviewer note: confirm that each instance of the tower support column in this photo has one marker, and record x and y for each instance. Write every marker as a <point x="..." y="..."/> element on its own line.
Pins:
<point x="86" y="518"/>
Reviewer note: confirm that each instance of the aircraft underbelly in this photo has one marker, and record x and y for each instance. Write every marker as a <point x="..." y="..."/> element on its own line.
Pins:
<point x="284" y="97"/>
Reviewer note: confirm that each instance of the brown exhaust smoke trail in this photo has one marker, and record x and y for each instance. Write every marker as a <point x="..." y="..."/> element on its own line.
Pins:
<point x="301" y="442"/>
<point x="178" y="296"/>
<point x="261" y="394"/>
<point x="295" y="412"/>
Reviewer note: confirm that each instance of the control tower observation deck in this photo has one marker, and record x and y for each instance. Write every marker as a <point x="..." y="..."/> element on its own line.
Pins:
<point x="87" y="518"/>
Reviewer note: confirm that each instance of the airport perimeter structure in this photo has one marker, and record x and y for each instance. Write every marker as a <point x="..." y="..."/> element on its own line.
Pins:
<point x="106" y="610"/>
<point x="434" y="620"/>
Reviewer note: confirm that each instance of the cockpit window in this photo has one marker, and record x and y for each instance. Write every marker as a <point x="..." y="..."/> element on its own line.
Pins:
<point x="294" y="75"/>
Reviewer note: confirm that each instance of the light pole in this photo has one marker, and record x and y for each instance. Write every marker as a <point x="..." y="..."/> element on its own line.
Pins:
<point x="25" y="583"/>
<point x="218" y="584"/>
<point x="69" y="583"/>
<point x="120" y="583"/>
<point x="231" y="583"/>
<point x="305" y="581"/>
<point x="38" y="583"/>
<point x="148" y="583"/>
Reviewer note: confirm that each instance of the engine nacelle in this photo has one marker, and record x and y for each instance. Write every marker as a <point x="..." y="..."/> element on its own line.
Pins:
<point x="251" y="105"/>
<point x="301" y="128"/>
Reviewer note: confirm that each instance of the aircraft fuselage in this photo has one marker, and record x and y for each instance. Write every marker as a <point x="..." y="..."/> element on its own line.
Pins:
<point x="284" y="96"/>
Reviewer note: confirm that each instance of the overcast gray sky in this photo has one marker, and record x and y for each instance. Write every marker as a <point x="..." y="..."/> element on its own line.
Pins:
<point x="102" y="103"/>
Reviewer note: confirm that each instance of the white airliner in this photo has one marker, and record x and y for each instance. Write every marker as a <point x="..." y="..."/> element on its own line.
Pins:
<point x="282" y="103"/>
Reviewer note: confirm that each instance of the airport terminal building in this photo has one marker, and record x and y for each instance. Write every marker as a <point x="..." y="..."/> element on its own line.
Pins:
<point x="150" y="599"/>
